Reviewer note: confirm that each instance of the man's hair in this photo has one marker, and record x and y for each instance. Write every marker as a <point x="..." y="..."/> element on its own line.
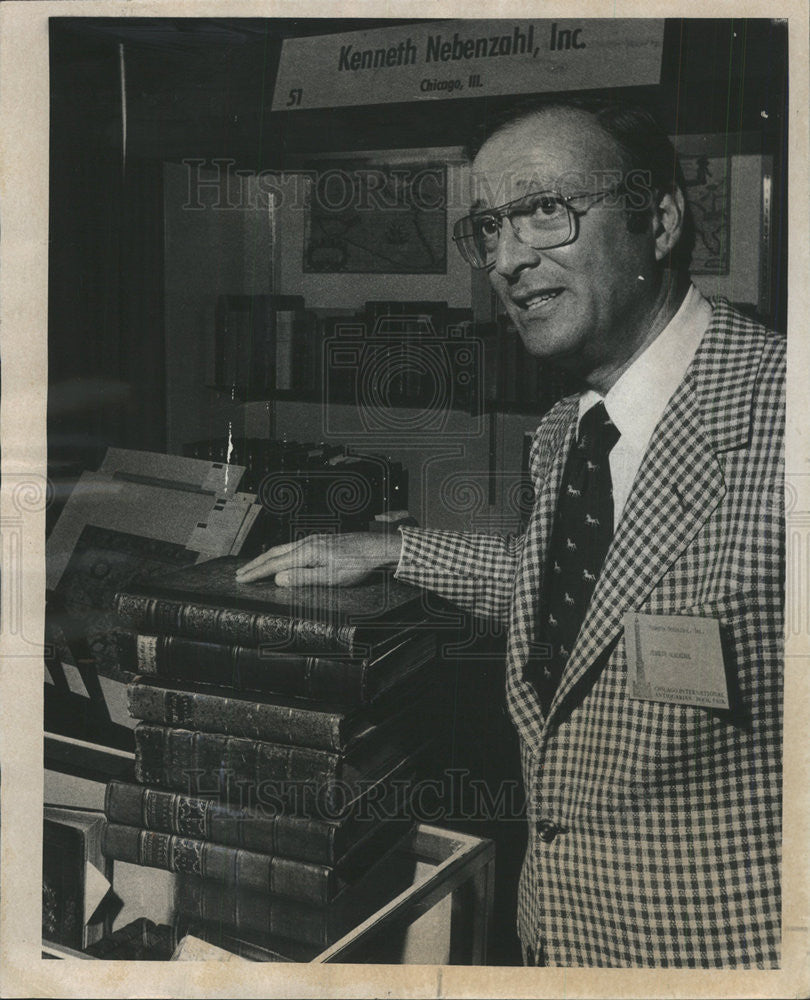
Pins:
<point x="644" y="147"/>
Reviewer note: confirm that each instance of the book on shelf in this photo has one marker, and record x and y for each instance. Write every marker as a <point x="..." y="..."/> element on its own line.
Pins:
<point x="269" y="920"/>
<point x="206" y="602"/>
<point x="76" y="876"/>
<point x="340" y="680"/>
<point x="233" y="767"/>
<point x="238" y="869"/>
<point x="320" y="839"/>
<point x="255" y="343"/>
<point x="273" y="719"/>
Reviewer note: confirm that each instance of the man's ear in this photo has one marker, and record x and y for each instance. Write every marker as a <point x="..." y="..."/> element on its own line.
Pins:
<point x="668" y="222"/>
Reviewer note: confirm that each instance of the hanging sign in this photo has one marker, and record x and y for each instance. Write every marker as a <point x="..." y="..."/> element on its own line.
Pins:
<point x="441" y="59"/>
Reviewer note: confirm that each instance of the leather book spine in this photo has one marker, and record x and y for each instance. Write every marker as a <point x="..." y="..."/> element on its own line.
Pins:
<point x="243" y="668"/>
<point x="171" y="616"/>
<point x="231" y="767"/>
<point x="260" y="830"/>
<point x="235" y="868"/>
<point x="253" y="913"/>
<point x="218" y="713"/>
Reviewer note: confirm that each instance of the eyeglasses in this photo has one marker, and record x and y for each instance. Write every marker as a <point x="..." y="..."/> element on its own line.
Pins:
<point x="542" y="220"/>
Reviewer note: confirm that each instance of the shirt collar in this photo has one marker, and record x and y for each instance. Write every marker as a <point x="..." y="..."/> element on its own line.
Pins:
<point x="637" y="400"/>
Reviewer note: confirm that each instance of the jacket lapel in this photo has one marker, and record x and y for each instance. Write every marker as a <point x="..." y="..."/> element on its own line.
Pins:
<point x="679" y="484"/>
<point x="554" y="440"/>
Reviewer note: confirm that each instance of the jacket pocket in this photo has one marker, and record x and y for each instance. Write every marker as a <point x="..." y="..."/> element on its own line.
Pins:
<point x="751" y="631"/>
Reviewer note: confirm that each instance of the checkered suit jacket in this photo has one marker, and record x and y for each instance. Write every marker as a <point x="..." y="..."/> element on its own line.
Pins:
<point x="661" y="821"/>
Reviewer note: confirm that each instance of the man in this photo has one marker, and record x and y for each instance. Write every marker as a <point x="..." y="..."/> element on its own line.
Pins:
<point x="654" y="824"/>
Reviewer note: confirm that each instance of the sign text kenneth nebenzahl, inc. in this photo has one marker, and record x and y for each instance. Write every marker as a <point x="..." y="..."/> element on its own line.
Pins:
<point x="466" y="58"/>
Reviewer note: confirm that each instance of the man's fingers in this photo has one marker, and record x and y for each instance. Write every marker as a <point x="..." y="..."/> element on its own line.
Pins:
<point x="269" y="567"/>
<point x="298" y="576"/>
<point x="331" y="560"/>
<point x="268" y="563"/>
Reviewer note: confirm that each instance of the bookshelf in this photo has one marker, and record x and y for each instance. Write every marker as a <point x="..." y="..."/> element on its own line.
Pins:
<point x="516" y="381"/>
<point x="421" y="354"/>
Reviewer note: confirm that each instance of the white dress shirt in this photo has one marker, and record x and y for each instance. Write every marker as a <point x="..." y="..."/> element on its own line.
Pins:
<point x="637" y="400"/>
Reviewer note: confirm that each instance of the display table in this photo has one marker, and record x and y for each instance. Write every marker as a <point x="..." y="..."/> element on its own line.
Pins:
<point x="451" y="898"/>
<point x="441" y="916"/>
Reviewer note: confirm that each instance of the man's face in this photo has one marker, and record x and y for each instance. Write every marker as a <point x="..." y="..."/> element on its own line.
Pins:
<point x="580" y="305"/>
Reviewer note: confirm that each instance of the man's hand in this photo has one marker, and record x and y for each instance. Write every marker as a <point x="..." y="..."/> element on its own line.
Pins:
<point x="335" y="560"/>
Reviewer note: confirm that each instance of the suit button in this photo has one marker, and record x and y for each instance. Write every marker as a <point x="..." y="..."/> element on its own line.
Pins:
<point x="547" y="830"/>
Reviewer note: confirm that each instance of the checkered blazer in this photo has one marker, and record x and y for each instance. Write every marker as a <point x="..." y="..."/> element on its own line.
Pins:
<point x="662" y="833"/>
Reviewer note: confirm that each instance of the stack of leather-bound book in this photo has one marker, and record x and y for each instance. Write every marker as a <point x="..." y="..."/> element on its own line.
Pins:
<point x="280" y="733"/>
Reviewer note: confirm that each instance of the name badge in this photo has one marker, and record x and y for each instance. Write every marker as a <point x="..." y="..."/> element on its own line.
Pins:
<point x="676" y="659"/>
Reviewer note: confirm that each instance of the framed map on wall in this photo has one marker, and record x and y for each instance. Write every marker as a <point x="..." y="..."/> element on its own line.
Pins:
<point x="729" y="188"/>
<point x="708" y="191"/>
<point x="375" y="217"/>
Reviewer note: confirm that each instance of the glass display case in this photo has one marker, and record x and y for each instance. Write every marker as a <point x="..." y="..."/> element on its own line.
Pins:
<point x="433" y="894"/>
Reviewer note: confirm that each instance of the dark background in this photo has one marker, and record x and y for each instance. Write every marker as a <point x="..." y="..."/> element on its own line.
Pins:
<point x="203" y="88"/>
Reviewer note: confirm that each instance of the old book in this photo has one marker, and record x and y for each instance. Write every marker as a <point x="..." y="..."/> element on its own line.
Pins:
<point x="273" y="774"/>
<point x="276" y="720"/>
<point x="320" y="839"/>
<point x="81" y="618"/>
<point x="269" y="920"/>
<point x="75" y="876"/>
<point x="342" y="681"/>
<point x="257" y="916"/>
<point x="235" y="867"/>
<point x="239" y="869"/>
<point x="206" y="602"/>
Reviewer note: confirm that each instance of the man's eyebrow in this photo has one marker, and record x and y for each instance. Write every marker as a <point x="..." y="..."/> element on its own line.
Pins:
<point x="528" y="186"/>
